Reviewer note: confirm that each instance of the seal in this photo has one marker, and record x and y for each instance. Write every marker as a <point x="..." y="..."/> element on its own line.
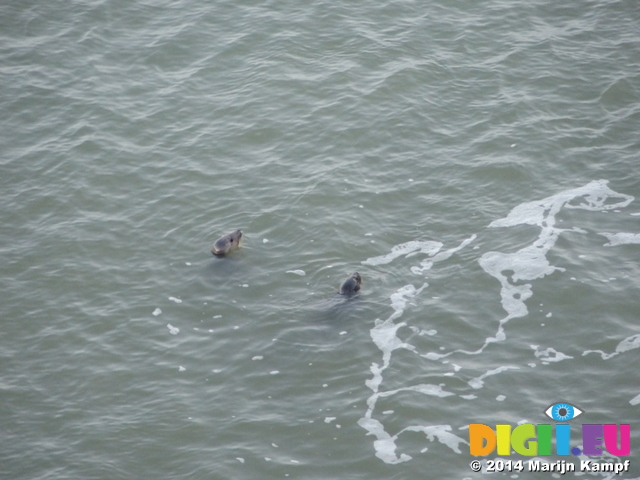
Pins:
<point x="351" y="285"/>
<point x="227" y="244"/>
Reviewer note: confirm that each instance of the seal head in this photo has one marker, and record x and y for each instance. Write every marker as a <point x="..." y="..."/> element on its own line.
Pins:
<point x="351" y="285"/>
<point x="227" y="244"/>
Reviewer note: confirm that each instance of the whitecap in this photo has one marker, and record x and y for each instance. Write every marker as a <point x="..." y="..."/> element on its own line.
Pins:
<point x="156" y="312"/>
<point x="174" y="299"/>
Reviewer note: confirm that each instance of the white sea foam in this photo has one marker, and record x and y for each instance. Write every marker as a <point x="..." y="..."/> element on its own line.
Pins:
<point x="530" y="263"/>
<point x="629" y="343"/>
<point x="384" y="335"/>
<point x="549" y="355"/>
<point x="385" y="445"/>
<point x="406" y="249"/>
<point x="478" y="382"/>
<point x="514" y="271"/>
<point x="173" y="330"/>
<point x="175" y="300"/>
<point x="635" y="400"/>
<point x="592" y="196"/>
<point x="301" y="273"/>
<point x="622" y="238"/>
<point x="425" y="389"/>
<point x="439" y="257"/>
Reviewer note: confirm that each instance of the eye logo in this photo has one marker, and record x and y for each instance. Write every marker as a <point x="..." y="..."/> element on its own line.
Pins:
<point x="563" y="412"/>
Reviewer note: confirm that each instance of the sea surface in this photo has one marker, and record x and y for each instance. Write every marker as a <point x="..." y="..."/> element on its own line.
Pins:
<point x="478" y="163"/>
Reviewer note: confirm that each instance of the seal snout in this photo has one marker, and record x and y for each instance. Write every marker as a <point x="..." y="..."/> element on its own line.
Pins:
<point x="227" y="244"/>
<point x="351" y="285"/>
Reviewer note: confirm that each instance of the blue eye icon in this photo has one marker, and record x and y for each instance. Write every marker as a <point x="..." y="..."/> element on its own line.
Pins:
<point x="563" y="412"/>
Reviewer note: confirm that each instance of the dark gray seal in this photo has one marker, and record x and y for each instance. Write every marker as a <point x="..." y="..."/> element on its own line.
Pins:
<point x="227" y="244"/>
<point x="351" y="285"/>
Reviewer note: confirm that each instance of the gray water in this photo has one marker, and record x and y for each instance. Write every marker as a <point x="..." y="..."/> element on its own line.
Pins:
<point x="476" y="162"/>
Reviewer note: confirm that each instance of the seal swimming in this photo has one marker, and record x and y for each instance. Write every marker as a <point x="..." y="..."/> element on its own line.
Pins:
<point x="351" y="285"/>
<point x="227" y="244"/>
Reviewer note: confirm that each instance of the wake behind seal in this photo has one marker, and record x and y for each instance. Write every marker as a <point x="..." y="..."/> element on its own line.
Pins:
<point x="351" y="285"/>
<point x="227" y="244"/>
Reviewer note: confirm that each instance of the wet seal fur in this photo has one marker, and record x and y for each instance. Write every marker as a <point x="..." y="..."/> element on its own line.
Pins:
<point x="351" y="285"/>
<point x="227" y="244"/>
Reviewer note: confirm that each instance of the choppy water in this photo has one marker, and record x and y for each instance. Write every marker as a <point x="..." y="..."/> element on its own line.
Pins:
<point x="476" y="162"/>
